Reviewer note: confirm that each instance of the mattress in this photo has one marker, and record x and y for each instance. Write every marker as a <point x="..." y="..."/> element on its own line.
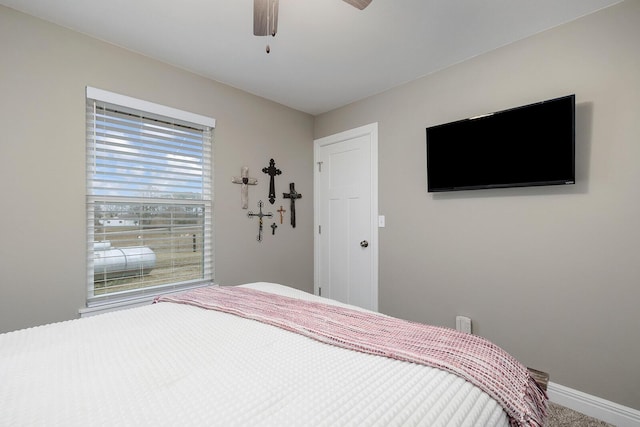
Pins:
<point x="174" y="364"/>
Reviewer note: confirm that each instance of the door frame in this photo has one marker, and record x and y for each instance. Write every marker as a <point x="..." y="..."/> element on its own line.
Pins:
<point x="370" y="130"/>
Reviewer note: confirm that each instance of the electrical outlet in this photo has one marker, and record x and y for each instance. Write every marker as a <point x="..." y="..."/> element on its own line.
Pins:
<point x="463" y="324"/>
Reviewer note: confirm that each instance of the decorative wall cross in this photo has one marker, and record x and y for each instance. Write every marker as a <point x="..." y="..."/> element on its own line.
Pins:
<point x="273" y="228"/>
<point x="293" y="195"/>
<point x="245" y="181"/>
<point x="272" y="171"/>
<point x="260" y="215"/>
<point x="281" y="212"/>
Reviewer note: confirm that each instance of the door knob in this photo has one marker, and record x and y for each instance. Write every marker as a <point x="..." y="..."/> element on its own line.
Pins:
<point x="364" y="244"/>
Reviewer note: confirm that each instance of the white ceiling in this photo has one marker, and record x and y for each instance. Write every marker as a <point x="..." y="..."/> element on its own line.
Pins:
<point x="326" y="53"/>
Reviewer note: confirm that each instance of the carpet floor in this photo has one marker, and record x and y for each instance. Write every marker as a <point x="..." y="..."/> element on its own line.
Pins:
<point x="559" y="416"/>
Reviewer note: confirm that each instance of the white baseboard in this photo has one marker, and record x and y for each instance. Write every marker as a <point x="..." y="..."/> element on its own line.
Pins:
<point x="607" y="411"/>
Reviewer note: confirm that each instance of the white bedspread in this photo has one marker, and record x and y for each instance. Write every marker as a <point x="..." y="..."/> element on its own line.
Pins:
<point x="172" y="364"/>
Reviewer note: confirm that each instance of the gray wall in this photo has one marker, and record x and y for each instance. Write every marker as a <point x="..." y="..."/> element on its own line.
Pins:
<point x="43" y="73"/>
<point x="551" y="274"/>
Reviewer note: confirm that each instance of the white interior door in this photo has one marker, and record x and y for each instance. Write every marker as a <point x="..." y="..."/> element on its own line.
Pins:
<point x="346" y="212"/>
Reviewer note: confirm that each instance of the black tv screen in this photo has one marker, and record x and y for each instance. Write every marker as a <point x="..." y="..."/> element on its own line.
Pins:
<point x="524" y="146"/>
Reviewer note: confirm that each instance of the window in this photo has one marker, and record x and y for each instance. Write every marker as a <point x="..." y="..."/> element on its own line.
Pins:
<point x="149" y="198"/>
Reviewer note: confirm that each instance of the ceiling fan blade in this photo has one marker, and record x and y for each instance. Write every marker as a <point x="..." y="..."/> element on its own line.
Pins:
<point x="265" y="17"/>
<point x="360" y="4"/>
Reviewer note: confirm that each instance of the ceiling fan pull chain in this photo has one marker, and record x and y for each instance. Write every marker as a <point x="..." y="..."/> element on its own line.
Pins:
<point x="270" y="12"/>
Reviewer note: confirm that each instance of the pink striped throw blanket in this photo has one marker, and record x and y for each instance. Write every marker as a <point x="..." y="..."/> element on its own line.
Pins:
<point x="471" y="357"/>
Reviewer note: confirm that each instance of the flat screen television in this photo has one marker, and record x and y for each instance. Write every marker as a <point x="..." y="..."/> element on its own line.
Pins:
<point x="524" y="146"/>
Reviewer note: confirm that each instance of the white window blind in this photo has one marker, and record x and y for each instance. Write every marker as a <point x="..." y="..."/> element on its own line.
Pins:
<point x="149" y="198"/>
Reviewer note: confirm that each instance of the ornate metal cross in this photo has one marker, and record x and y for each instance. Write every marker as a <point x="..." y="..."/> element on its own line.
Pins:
<point x="245" y="181"/>
<point x="272" y="171"/>
<point x="273" y="228"/>
<point x="260" y="215"/>
<point x="293" y="195"/>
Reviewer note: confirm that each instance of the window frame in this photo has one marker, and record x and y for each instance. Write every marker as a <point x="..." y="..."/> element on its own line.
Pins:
<point x="148" y="110"/>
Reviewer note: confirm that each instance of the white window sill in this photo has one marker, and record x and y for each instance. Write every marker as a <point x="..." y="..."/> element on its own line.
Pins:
<point x="114" y="306"/>
<point x="138" y="301"/>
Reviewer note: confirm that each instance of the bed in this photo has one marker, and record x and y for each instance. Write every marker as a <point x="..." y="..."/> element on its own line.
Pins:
<point x="176" y="363"/>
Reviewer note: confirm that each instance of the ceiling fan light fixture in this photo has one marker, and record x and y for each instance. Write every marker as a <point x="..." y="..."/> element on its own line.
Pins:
<point x="265" y="17"/>
<point x="360" y="4"/>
